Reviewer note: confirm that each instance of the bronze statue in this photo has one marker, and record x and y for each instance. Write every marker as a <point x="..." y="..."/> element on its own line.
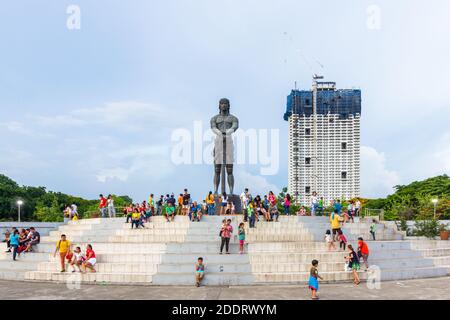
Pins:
<point x="224" y="125"/>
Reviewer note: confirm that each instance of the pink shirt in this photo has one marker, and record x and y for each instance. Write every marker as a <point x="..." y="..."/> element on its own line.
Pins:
<point x="226" y="231"/>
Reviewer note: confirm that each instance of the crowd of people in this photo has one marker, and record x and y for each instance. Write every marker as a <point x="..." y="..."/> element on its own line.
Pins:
<point x="21" y="242"/>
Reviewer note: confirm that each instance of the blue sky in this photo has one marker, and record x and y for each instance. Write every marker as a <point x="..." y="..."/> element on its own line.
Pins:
<point x="92" y="110"/>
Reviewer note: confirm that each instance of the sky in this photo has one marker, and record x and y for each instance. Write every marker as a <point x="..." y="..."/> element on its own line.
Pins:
<point x="91" y="98"/>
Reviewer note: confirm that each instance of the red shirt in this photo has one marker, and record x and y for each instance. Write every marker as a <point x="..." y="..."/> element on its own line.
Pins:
<point x="90" y="254"/>
<point x="363" y="247"/>
<point x="103" y="202"/>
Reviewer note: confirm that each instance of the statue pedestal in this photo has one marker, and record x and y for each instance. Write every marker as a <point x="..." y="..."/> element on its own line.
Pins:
<point x="235" y="199"/>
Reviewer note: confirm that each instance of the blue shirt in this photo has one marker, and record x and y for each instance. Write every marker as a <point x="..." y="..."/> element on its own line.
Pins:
<point x="338" y="206"/>
<point x="14" y="239"/>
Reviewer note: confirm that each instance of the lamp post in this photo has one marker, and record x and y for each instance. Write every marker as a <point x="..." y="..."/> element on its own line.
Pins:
<point x="19" y="204"/>
<point x="435" y="201"/>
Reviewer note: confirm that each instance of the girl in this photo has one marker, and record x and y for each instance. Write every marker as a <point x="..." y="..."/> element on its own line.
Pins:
<point x="272" y="199"/>
<point x="353" y="263"/>
<point x="224" y="201"/>
<point x="329" y="240"/>
<point x="241" y="238"/>
<point x="14" y="242"/>
<point x="342" y="240"/>
<point x="313" y="279"/>
<point x="251" y="215"/>
<point x="345" y="217"/>
<point x="302" y="211"/>
<point x="287" y="203"/>
<point x="91" y="260"/>
<point x="373" y="228"/>
<point x="77" y="259"/>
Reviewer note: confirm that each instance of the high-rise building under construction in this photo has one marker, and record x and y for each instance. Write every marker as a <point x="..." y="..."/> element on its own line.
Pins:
<point x="324" y="142"/>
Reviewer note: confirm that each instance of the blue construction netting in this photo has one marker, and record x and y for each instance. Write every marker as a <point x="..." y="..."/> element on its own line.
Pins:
<point x="344" y="102"/>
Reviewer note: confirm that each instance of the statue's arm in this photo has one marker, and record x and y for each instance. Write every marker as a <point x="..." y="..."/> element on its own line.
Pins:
<point x="234" y="126"/>
<point x="214" y="126"/>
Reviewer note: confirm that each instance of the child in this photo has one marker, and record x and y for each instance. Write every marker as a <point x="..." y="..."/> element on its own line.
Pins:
<point x="251" y="215"/>
<point x="342" y="240"/>
<point x="345" y="217"/>
<point x="241" y="238"/>
<point x="313" y="279"/>
<point x="302" y="211"/>
<point x="353" y="263"/>
<point x="199" y="271"/>
<point x="329" y="240"/>
<point x="274" y="213"/>
<point x="373" y="229"/>
<point x="77" y="259"/>
<point x="135" y="218"/>
<point x="170" y="212"/>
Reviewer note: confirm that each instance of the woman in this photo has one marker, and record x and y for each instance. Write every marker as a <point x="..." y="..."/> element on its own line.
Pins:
<point x="111" y="208"/>
<point x="224" y="201"/>
<point x="225" y="233"/>
<point x="91" y="260"/>
<point x="272" y="199"/>
<point x="14" y="242"/>
<point x="287" y="203"/>
<point x="210" y="203"/>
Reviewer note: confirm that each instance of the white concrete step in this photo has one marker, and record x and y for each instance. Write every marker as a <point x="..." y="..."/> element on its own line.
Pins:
<point x="212" y="279"/>
<point x="105" y="278"/>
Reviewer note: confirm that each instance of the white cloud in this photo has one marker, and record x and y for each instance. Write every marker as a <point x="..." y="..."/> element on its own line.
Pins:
<point x="257" y="184"/>
<point x="376" y="179"/>
<point x="15" y="127"/>
<point x="441" y="157"/>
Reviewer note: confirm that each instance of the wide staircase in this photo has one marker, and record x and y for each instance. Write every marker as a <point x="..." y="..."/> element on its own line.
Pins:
<point x="164" y="253"/>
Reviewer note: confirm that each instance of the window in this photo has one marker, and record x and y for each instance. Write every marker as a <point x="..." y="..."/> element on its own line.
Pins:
<point x="344" y="175"/>
<point x="344" y="145"/>
<point x="308" y="161"/>
<point x="308" y="131"/>
<point x="307" y="190"/>
<point x="307" y="102"/>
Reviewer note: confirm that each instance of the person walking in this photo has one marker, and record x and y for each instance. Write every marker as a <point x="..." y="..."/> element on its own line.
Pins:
<point x="14" y="242"/>
<point x="335" y="221"/>
<point x="63" y="247"/>
<point x="363" y="252"/>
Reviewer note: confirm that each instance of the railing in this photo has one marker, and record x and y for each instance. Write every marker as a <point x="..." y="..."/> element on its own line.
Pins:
<point x="379" y="213"/>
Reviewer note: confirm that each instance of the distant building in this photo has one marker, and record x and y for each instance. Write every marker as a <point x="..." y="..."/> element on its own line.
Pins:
<point x="324" y="142"/>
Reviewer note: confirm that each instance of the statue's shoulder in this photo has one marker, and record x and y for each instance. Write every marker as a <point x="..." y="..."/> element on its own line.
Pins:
<point x="233" y="117"/>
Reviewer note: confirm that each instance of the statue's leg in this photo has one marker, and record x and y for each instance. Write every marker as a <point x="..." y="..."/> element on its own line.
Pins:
<point x="230" y="177"/>
<point x="217" y="171"/>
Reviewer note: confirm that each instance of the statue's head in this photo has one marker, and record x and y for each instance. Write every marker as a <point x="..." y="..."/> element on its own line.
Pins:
<point x="224" y="105"/>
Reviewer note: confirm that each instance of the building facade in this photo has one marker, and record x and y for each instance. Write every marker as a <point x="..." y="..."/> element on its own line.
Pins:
<point x="324" y="142"/>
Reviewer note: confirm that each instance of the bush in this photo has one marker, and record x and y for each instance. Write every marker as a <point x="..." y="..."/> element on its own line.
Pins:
<point x="426" y="228"/>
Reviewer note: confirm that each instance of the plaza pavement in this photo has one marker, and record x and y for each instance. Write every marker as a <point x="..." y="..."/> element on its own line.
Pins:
<point x="424" y="289"/>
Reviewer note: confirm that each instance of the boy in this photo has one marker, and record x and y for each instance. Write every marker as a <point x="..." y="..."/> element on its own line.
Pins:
<point x="199" y="271"/>
<point x="170" y="212"/>
<point x="274" y="213"/>
<point x="135" y="218"/>
<point x="373" y="229"/>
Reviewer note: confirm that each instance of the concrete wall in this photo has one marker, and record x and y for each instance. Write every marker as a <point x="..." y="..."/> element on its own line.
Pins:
<point x="42" y="227"/>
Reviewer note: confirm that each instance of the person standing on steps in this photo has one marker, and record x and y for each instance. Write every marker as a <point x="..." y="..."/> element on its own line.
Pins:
<point x="225" y="234"/>
<point x="111" y="208"/>
<point x="373" y="229"/>
<point x="186" y="203"/>
<point x="210" y="203"/>
<point x="63" y="247"/>
<point x="244" y="203"/>
<point x="102" y="206"/>
<point x="287" y="203"/>
<point x="313" y="283"/>
<point x="241" y="237"/>
<point x="335" y="221"/>
<point x="353" y="263"/>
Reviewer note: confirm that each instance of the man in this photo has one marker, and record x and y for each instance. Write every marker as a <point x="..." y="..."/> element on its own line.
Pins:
<point x="34" y="239"/>
<point x="102" y="205"/>
<point x="244" y="203"/>
<point x="63" y="246"/>
<point x="363" y="250"/>
<point x="320" y="207"/>
<point x="186" y="203"/>
<point x="159" y="205"/>
<point x="357" y="207"/>
<point x="338" y="206"/>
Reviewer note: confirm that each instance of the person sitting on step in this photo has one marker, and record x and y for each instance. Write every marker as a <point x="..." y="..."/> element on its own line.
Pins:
<point x="199" y="271"/>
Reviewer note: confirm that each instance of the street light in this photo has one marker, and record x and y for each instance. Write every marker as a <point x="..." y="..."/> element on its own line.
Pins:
<point x="435" y="201"/>
<point x="19" y="204"/>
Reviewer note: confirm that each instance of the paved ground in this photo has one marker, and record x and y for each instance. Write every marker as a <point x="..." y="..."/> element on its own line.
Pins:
<point x="397" y="290"/>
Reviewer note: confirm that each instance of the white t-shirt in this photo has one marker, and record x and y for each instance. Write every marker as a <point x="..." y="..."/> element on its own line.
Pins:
<point x="74" y="208"/>
<point x="110" y="203"/>
<point x="78" y="256"/>
<point x="244" y="199"/>
<point x="313" y="200"/>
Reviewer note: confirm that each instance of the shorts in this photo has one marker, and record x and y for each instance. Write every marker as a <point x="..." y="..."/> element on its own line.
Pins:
<point x="336" y="230"/>
<point x="355" y="266"/>
<point x="92" y="261"/>
<point x="224" y="204"/>
<point x="241" y="242"/>
<point x="186" y="206"/>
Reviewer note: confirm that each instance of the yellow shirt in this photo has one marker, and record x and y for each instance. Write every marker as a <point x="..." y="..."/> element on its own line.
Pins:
<point x="335" y="223"/>
<point x="63" y="245"/>
<point x="210" y="199"/>
<point x="136" y="215"/>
